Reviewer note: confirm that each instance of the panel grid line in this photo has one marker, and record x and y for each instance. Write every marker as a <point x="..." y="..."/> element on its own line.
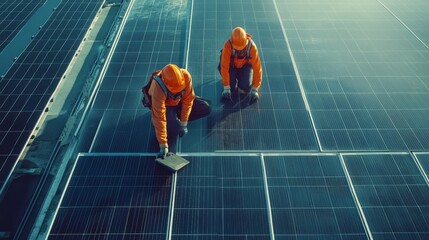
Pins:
<point x="355" y="198"/>
<point x="298" y="77"/>
<point x="268" y="200"/>
<point x="420" y="167"/>
<point x="403" y="23"/>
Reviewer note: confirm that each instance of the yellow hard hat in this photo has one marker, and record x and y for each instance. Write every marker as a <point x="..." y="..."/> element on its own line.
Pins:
<point x="239" y="38"/>
<point x="173" y="78"/>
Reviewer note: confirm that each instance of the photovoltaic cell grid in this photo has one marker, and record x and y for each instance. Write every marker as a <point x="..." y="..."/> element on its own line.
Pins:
<point x="356" y="79"/>
<point x="423" y="159"/>
<point x="279" y="121"/>
<point x="114" y="197"/>
<point x="413" y="14"/>
<point x="221" y="198"/>
<point x="153" y="36"/>
<point x="365" y="74"/>
<point x="392" y="193"/>
<point x="13" y="15"/>
<point x="29" y="84"/>
<point x="310" y="198"/>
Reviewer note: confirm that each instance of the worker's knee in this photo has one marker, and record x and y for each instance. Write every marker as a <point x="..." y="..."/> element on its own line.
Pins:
<point x="200" y="108"/>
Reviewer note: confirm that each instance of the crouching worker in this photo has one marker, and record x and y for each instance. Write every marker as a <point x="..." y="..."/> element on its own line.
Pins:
<point x="170" y="96"/>
<point x="240" y="66"/>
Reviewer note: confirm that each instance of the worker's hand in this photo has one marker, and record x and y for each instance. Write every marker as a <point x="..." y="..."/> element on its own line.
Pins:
<point x="226" y="95"/>
<point x="254" y="95"/>
<point x="183" y="129"/>
<point x="163" y="151"/>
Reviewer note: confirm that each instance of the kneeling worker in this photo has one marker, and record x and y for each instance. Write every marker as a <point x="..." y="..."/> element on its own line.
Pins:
<point x="173" y="104"/>
<point x="239" y="64"/>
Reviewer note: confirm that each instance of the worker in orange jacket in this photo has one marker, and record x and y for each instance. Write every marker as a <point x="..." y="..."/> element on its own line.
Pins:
<point x="174" y="104"/>
<point x="240" y="65"/>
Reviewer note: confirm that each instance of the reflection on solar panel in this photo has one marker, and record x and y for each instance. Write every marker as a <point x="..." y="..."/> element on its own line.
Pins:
<point x="153" y="36"/>
<point x="392" y="193"/>
<point x="13" y="15"/>
<point x="310" y="198"/>
<point x="279" y="121"/>
<point x="365" y="75"/>
<point x="29" y="84"/>
<point x="114" y="197"/>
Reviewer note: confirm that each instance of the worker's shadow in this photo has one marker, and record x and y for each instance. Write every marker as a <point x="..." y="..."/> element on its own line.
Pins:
<point x="226" y="114"/>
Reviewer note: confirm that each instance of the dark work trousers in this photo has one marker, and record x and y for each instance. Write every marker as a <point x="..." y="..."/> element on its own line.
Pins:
<point x="241" y="77"/>
<point x="200" y="109"/>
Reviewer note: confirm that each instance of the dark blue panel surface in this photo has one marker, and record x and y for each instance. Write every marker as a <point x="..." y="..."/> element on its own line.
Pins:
<point x="221" y="197"/>
<point x="279" y="121"/>
<point x="392" y="193"/>
<point x="153" y="36"/>
<point x="310" y="197"/>
<point x="28" y="85"/>
<point x="114" y="197"/>
<point x="13" y="15"/>
<point x="364" y="73"/>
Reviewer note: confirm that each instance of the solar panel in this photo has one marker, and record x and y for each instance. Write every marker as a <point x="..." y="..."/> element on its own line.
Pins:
<point x="423" y="162"/>
<point x="29" y="84"/>
<point x="310" y="198"/>
<point x="358" y="70"/>
<point x="279" y="121"/>
<point x="114" y="196"/>
<point x="412" y="14"/>
<point x="13" y="15"/>
<point x="392" y="193"/>
<point x="363" y="72"/>
<point x="153" y="36"/>
<point x="221" y="197"/>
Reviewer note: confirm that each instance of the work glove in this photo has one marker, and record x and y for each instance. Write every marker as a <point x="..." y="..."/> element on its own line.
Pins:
<point x="163" y="151"/>
<point x="226" y="94"/>
<point x="183" y="129"/>
<point x="254" y="95"/>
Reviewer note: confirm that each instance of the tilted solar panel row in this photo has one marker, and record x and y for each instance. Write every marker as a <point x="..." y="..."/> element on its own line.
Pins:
<point x="28" y="85"/>
<point x="225" y="196"/>
<point x="13" y="15"/>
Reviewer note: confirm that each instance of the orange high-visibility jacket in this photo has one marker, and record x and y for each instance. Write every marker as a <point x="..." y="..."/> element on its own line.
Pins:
<point x="238" y="63"/>
<point x="160" y="102"/>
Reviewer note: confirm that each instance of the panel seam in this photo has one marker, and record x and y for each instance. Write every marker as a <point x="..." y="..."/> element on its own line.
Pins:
<point x="298" y="76"/>
<point x="403" y="23"/>
<point x="267" y="198"/>
<point x="171" y="206"/>
<point x="62" y="196"/>
<point x="355" y="198"/>
<point x="420" y="167"/>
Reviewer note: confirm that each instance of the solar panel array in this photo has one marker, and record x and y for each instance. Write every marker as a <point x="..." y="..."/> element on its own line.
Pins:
<point x="13" y="15"/>
<point x="153" y="37"/>
<point x="310" y="197"/>
<point x="28" y="85"/>
<point x="115" y="197"/>
<point x="365" y="75"/>
<point x="352" y="80"/>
